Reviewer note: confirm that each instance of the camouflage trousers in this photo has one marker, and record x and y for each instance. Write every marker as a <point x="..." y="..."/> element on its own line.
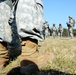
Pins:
<point x="54" y="34"/>
<point x="60" y="34"/>
<point x="70" y="32"/>
<point x="29" y="20"/>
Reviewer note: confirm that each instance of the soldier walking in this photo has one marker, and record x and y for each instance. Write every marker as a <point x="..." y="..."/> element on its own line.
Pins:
<point x="60" y="31"/>
<point x="70" y="26"/>
<point x="47" y="29"/>
<point x="53" y="29"/>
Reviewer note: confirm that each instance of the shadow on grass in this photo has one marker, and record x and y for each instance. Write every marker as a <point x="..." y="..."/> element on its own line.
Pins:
<point x="34" y="70"/>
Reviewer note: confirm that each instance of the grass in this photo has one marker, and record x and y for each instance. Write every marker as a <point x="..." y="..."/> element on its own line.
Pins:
<point x="62" y="60"/>
<point x="63" y="53"/>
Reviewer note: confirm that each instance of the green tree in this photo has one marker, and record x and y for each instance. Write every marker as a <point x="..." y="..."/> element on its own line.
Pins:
<point x="74" y="31"/>
<point x="65" y="32"/>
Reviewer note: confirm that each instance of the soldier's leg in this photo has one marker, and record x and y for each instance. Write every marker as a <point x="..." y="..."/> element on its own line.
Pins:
<point x="68" y="33"/>
<point x="71" y="32"/>
<point x="4" y="58"/>
<point x="54" y="34"/>
<point x="58" y="34"/>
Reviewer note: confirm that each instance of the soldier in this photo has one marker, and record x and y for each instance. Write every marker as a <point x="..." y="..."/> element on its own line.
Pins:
<point x="10" y="46"/>
<point x="53" y="29"/>
<point x="29" y="23"/>
<point x="29" y="16"/>
<point x="47" y="29"/>
<point x="70" y="26"/>
<point x="60" y="30"/>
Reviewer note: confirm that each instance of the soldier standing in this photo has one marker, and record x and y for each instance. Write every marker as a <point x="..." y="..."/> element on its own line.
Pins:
<point x="53" y="29"/>
<point x="60" y="31"/>
<point x="47" y="29"/>
<point x="70" y="26"/>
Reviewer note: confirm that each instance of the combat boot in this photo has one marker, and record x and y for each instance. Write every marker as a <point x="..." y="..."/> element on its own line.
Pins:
<point x="29" y="49"/>
<point x="4" y="58"/>
<point x="31" y="56"/>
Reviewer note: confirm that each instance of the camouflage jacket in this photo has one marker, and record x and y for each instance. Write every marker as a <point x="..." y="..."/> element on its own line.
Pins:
<point x="71" y="23"/>
<point x="60" y="29"/>
<point x="53" y="29"/>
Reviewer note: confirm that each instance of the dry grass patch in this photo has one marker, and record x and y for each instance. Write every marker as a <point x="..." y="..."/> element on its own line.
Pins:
<point x="63" y="52"/>
<point x="62" y="60"/>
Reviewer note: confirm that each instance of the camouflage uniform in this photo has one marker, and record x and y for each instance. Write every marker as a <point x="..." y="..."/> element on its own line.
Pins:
<point x="47" y="31"/>
<point x="53" y="29"/>
<point x="29" y="23"/>
<point x="60" y="30"/>
<point x="8" y="30"/>
<point x="70" y="25"/>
